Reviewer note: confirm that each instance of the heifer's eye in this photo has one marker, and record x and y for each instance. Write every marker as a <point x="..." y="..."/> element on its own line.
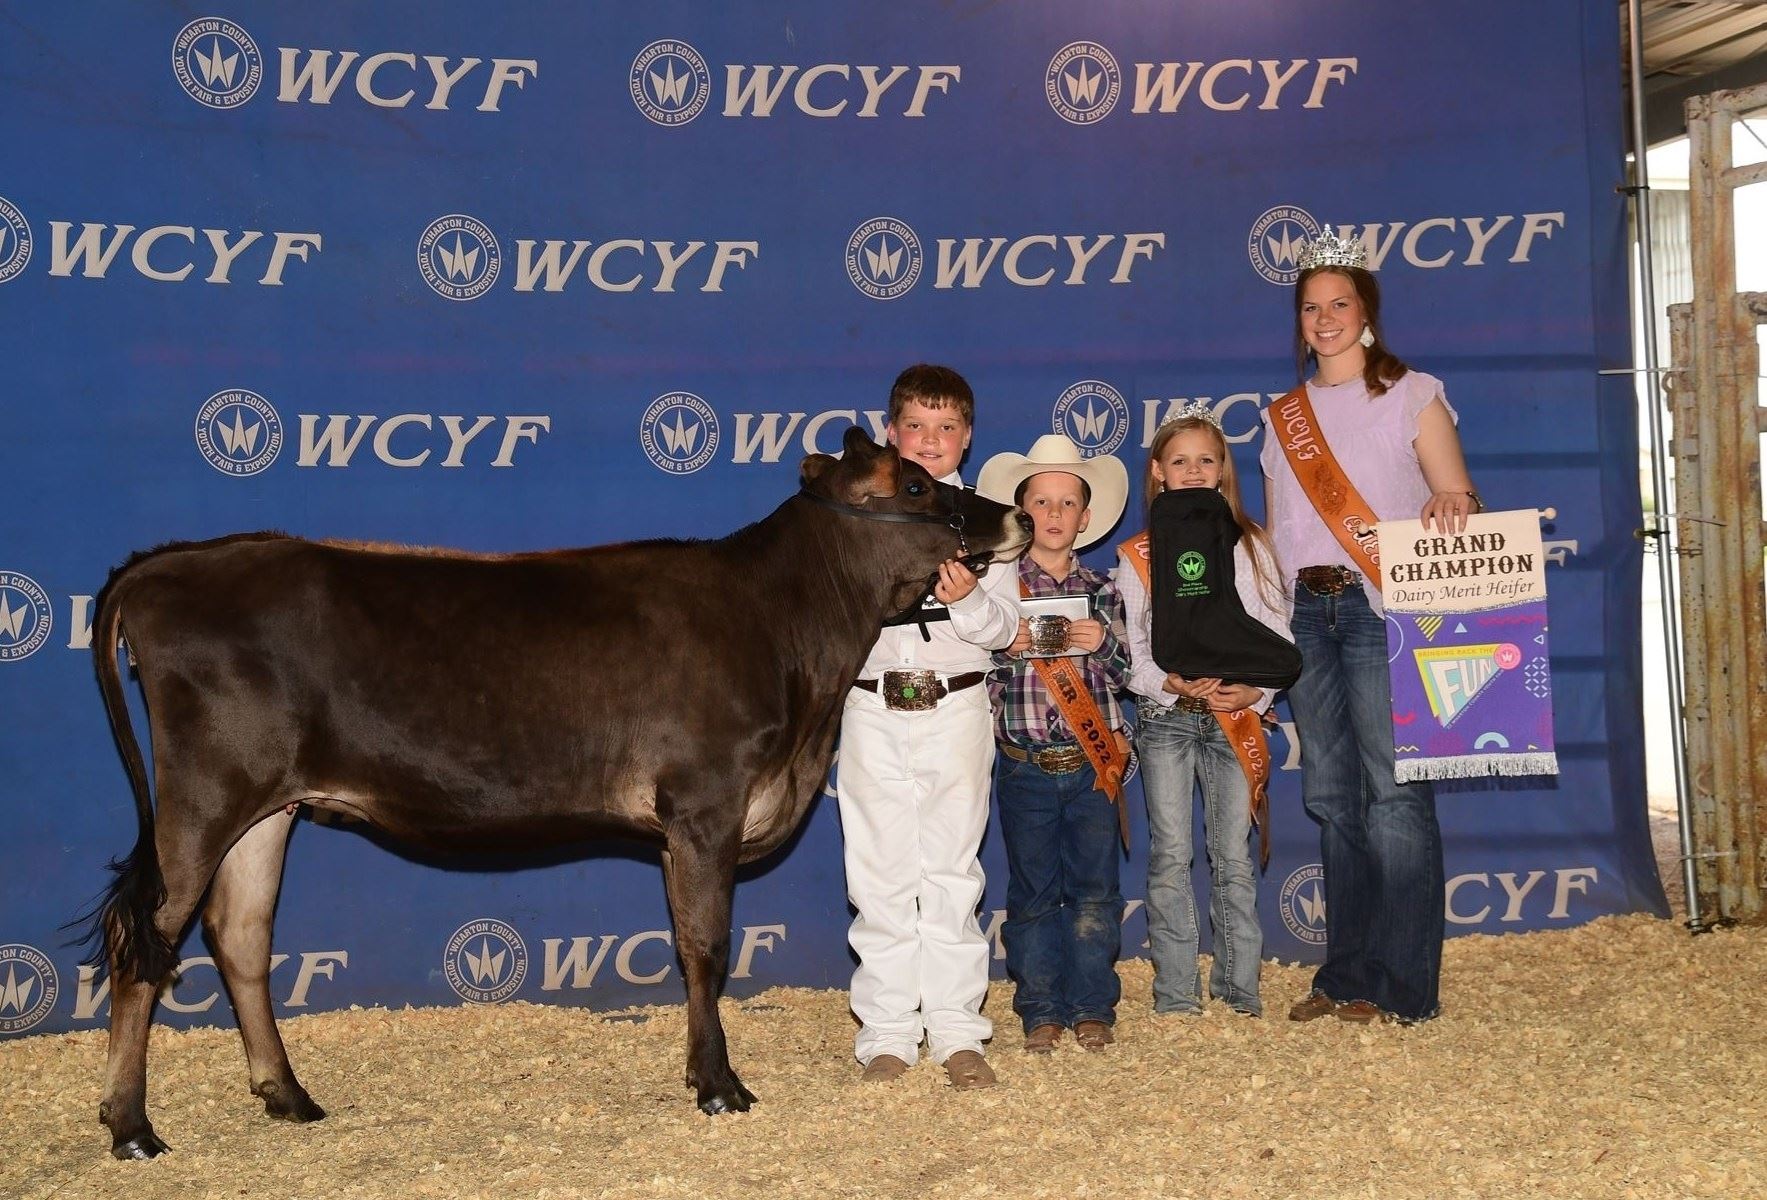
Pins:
<point x="916" y="488"/>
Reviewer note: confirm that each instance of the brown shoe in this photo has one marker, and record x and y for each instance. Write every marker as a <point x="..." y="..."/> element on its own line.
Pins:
<point x="1042" y="1039"/>
<point x="1093" y="1035"/>
<point x="1312" y="1006"/>
<point x="1362" y="1012"/>
<point x="882" y="1069"/>
<point x="966" y="1069"/>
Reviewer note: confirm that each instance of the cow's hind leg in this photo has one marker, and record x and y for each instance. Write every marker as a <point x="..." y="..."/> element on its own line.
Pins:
<point x="242" y="903"/>
<point x="699" y="870"/>
<point x="181" y="857"/>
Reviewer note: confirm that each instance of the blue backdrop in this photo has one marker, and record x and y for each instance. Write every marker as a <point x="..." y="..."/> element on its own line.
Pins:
<point x="501" y="279"/>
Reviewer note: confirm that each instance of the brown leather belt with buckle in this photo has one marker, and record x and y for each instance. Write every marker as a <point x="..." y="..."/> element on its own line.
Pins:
<point x="1062" y="758"/>
<point x="1192" y="704"/>
<point x="917" y="691"/>
<point x="1328" y="581"/>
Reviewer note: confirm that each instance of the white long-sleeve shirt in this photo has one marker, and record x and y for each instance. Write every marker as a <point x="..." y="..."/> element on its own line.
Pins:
<point x="1147" y="679"/>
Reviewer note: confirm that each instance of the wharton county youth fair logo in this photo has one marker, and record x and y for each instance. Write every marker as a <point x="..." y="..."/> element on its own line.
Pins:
<point x="28" y="987"/>
<point x="670" y="82"/>
<point x="238" y="432"/>
<point x="1094" y="415"/>
<point x="1303" y="904"/>
<point x="1083" y="83"/>
<point x="25" y="616"/>
<point x="679" y="433"/>
<point x="884" y="258"/>
<point x="1275" y="244"/>
<point x="15" y="240"/>
<point x="486" y="961"/>
<point x="217" y="63"/>
<point x="459" y="257"/>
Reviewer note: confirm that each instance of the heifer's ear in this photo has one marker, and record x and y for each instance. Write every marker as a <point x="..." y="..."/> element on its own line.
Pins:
<point x="858" y="443"/>
<point x="813" y="468"/>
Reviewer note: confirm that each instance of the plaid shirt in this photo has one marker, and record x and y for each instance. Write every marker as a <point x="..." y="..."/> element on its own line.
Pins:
<point x="1024" y="712"/>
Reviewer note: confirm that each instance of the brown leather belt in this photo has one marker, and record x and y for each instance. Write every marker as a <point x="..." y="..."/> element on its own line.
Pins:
<point x="1061" y="758"/>
<point x="917" y="691"/>
<point x="1329" y="580"/>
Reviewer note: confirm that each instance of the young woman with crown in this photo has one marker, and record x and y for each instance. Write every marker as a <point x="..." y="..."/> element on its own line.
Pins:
<point x="1362" y="438"/>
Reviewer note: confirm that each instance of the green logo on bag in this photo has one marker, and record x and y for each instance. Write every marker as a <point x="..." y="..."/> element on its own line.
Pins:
<point x="1191" y="566"/>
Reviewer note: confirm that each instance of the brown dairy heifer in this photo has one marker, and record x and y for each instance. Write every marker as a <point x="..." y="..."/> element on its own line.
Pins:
<point x="681" y="694"/>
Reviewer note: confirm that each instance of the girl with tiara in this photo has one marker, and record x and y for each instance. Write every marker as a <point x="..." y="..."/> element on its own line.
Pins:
<point x="1364" y="438"/>
<point x="1202" y="726"/>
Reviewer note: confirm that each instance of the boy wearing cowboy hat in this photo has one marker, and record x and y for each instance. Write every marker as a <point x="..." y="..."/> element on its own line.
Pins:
<point x="1062" y="749"/>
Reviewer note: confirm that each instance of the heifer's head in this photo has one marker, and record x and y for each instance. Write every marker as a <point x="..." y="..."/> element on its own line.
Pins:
<point x="905" y="520"/>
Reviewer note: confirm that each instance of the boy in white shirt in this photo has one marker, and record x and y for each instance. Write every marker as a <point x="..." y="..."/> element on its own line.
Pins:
<point x="916" y="756"/>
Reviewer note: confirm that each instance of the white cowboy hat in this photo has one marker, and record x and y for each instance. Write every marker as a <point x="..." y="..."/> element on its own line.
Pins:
<point x="1105" y="475"/>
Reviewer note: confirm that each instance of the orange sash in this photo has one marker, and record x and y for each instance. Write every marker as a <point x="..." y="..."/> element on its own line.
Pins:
<point x="1066" y="685"/>
<point x="1243" y="729"/>
<point x="1342" y="508"/>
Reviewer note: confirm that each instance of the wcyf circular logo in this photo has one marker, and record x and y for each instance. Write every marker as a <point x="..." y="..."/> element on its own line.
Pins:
<point x="1276" y="241"/>
<point x="25" y="616"/>
<point x="883" y="258"/>
<point x="679" y="432"/>
<point x="28" y="987"/>
<point x="1303" y="904"/>
<point x="459" y="257"/>
<point x="217" y="62"/>
<point x="1094" y="415"/>
<point x="15" y="240"/>
<point x="238" y="432"/>
<point x="485" y="962"/>
<point x="1083" y="83"/>
<point x="670" y="83"/>
<point x="1191" y="566"/>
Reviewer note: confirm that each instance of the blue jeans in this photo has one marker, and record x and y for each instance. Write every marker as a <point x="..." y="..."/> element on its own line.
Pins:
<point x="1064" y="904"/>
<point x="1379" y="842"/>
<point x="1179" y="750"/>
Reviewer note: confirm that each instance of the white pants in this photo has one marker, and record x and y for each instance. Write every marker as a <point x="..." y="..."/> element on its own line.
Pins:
<point x="914" y="802"/>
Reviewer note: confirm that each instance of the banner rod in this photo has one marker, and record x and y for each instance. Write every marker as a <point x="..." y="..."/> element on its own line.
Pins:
<point x="1663" y="530"/>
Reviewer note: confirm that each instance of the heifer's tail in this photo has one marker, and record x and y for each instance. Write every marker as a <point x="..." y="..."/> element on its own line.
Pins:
<point x="123" y="919"/>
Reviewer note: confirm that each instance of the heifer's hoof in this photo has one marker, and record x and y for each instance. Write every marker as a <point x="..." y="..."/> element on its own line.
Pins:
<point x="288" y="1102"/>
<point x="734" y="1098"/>
<point x="141" y="1147"/>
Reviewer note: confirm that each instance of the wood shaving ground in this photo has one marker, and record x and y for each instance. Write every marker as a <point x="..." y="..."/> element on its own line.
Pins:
<point x="1620" y="1059"/>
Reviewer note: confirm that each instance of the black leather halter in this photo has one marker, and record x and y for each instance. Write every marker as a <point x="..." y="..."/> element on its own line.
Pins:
<point x="915" y="613"/>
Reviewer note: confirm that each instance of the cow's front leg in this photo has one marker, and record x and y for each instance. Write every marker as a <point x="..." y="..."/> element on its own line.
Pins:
<point x="699" y="871"/>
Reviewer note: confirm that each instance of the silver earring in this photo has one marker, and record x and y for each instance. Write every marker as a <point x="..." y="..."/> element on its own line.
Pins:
<point x="1366" y="338"/>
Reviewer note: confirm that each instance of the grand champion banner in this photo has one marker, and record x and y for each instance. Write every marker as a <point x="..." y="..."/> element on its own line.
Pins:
<point x="1467" y="648"/>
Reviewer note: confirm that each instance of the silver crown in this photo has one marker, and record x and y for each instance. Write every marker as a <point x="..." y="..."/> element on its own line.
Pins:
<point x="1196" y="410"/>
<point x="1330" y="250"/>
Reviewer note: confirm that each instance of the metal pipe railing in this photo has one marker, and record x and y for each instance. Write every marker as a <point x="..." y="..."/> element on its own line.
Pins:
<point x="1662" y="525"/>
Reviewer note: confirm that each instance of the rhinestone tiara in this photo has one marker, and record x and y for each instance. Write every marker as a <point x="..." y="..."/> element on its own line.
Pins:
<point x="1196" y="410"/>
<point x="1330" y="250"/>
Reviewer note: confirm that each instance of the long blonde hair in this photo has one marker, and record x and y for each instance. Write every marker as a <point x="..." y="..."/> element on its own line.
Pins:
<point x="1259" y="547"/>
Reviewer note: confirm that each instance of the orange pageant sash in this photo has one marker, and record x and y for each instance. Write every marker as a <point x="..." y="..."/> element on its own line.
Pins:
<point x="1066" y="685"/>
<point x="1243" y="729"/>
<point x="1342" y="508"/>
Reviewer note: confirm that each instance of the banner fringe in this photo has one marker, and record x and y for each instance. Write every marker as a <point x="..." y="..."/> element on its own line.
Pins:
<point x="1474" y="766"/>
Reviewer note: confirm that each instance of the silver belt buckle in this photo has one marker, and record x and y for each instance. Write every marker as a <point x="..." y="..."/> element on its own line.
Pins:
<point x="911" y="691"/>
